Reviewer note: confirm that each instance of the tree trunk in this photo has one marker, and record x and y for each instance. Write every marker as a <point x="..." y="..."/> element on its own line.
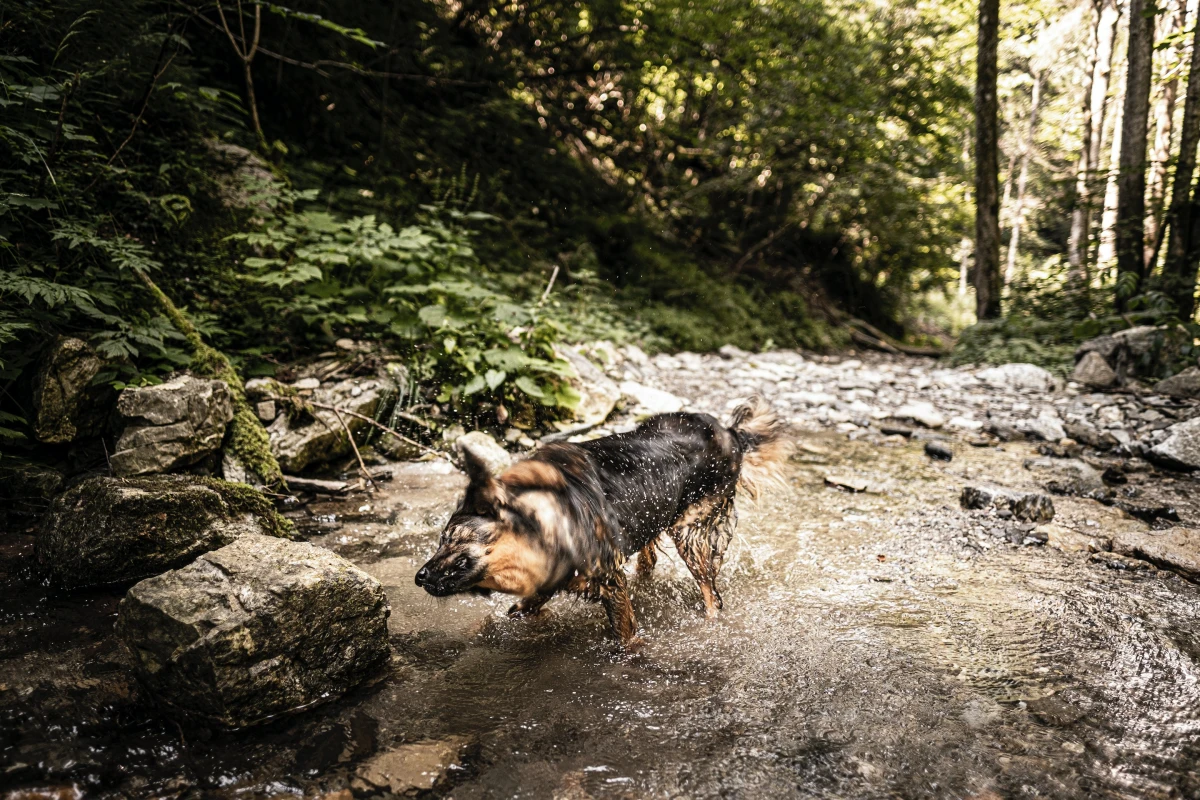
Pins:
<point x="1160" y="153"/>
<point x="1094" y="109"/>
<point x="1018" y="212"/>
<point x="1106" y="254"/>
<point x="1131" y="182"/>
<point x="987" y="201"/>
<point x="1179" y="268"/>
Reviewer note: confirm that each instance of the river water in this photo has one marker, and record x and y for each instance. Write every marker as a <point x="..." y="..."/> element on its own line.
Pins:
<point x="874" y="644"/>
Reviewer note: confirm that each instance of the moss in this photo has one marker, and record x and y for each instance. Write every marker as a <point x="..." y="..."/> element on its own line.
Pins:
<point x="243" y="499"/>
<point x="246" y="438"/>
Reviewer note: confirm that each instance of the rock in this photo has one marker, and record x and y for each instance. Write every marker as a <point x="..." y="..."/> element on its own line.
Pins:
<point x="1177" y="549"/>
<point x="113" y="530"/>
<point x="635" y="354"/>
<point x="1069" y="476"/>
<point x="484" y="447"/>
<point x="1021" y="377"/>
<point x="66" y="404"/>
<point x="848" y="482"/>
<point x="307" y="384"/>
<point x="1118" y="561"/>
<point x="1054" y="711"/>
<point x="921" y="412"/>
<point x="938" y="451"/>
<point x="1181" y="448"/>
<point x="1003" y="431"/>
<point x="1046" y="426"/>
<point x="1093" y="371"/>
<point x="412" y="768"/>
<point x="1129" y="353"/>
<point x="321" y="438"/>
<point x="171" y="425"/>
<point x="1028" y="506"/>
<point x="243" y="179"/>
<point x="266" y="411"/>
<point x="261" y="627"/>
<point x="598" y="393"/>
<point x="1082" y="432"/>
<point x="26" y="487"/>
<point x="895" y="430"/>
<point x="731" y="351"/>
<point x="964" y="424"/>
<point x="646" y="400"/>
<point x="1071" y="541"/>
<point x="1185" y="384"/>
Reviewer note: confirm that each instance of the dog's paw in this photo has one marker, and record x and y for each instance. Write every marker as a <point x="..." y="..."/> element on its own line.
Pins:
<point x="519" y="611"/>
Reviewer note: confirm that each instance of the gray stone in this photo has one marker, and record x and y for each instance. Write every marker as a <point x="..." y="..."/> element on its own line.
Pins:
<point x="113" y="530"/>
<point x="66" y="404"/>
<point x="645" y="400"/>
<point x="26" y="487"/>
<point x="732" y="351"/>
<point x="1093" y="371"/>
<point x="1089" y="435"/>
<point x="411" y="768"/>
<point x="1185" y="384"/>
<point x="1176" y="549"/>
<point x="1181" y="448"/>
<point x="598" y="393"/>
<point x="1130" y="353"/>
<point x="260" y="628"/>
<point x="1046" y="426"/>
<point x="171" y="425"/>
<point x="265" y="410"/>
<point x="1066" y="475"/>
<point x="485" y="448"/>
<point x="313" y="440"/>
<point x="1071" y="541"/>
<point x="1026" y="377"/>
<point x="921" y="412"/>
<point x="1028" y="506"/>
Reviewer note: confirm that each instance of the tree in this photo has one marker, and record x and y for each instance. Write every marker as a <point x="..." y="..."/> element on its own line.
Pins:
<point x="987" y="278"/>
<point x="1095" y="103"/>
<point x="1164" y="119"/>
<point x="1131" y="182"/>
<point x="1018" y="212"/>
<point x="1179" y="267"/>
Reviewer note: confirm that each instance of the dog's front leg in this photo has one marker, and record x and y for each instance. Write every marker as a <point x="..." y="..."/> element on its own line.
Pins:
<point x="529" y="606"/>
<point x="614" y="594"/>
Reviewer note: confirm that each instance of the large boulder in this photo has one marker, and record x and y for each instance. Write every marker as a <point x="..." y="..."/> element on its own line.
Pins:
<point x="171" y="425"/>
<point x="1130" y="353"/>
<point x="261" y="627"/>
<point x="301" y="441"/>
<point x="26" y="488"/>
<point x="1046" y="426"/>
<point x="1093" y="371"/>
<point x="598" y="393"/>
<point x="1176" y="549"/>
<point x="67" y="406"/>
<point x="1181" y="448"/>
<point x="1021" y="377"/>
<point x="1185" y="384"/>
<point x="113" y="530"/>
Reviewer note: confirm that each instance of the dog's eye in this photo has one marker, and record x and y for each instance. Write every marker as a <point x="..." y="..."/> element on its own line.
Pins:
<point x="462" y="562"/>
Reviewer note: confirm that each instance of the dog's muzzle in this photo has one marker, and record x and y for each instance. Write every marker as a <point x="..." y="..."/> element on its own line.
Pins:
<point x="447" y="580"/>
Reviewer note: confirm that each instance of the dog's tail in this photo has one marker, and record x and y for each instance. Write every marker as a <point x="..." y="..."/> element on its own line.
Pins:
<point x="759" y="432"/>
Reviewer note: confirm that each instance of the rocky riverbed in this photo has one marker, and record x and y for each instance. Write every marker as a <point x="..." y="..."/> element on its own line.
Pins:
<point x="879" y="639"/>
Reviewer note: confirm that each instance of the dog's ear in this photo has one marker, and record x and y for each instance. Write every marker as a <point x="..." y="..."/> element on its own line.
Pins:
<point x="485" y="494"/>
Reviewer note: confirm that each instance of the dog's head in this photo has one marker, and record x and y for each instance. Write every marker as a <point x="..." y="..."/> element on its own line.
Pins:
<point x="491" y="543"/>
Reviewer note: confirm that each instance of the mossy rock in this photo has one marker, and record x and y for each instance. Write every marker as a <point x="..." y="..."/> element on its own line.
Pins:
<point x="118" y="530"/>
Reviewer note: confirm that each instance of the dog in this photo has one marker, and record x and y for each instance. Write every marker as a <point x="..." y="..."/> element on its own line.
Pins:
<point x="568" y="517"/>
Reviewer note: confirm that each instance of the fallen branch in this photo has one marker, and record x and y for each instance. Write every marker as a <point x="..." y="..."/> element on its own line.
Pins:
<point x="381" y="427"/>
<point x="315" y="485"/>
<point x="867" y="334"/>
<point x="350" y="435"/>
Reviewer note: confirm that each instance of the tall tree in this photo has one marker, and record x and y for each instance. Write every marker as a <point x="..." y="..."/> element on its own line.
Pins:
<point x="987" y="278"/>
<point x="1106" y="253"/>
<point x="1179" y="267"/>
<point x="1131" y="182"/>
<point x="1164" y="119"/>
<point x="1095" y="104"/>
<point x="1027" y="146"/>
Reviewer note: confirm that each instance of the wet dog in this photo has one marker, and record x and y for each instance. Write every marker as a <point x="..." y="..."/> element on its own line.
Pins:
<point x="568" y="517"/>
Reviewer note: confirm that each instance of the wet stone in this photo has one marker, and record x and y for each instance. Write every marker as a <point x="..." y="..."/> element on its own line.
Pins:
<point x="256" y="629"/>
<point x="1177" y="549"/>
<point x="412" y="768"/>
<point x="938" y="451"/>
<point x="116" y="530"/>
<point x="1028" y="506"/>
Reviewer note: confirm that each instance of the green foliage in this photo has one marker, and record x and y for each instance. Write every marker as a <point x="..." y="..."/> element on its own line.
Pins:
<point x="420" y="289"/>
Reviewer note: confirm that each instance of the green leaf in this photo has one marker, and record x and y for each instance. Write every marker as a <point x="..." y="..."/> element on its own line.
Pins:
<point x="474" y="385"/>
<point x="494" y="377"/>
<point x="530" y="387"/>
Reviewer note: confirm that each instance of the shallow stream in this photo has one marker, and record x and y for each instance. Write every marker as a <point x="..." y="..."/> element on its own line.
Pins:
<point x="875" y="644"/>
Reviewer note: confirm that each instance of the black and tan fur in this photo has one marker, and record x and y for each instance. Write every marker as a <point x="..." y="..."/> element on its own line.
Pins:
<point x="568" y="517"/>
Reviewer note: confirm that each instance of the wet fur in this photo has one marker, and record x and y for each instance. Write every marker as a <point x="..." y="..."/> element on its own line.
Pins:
<point x="568" y="517"/>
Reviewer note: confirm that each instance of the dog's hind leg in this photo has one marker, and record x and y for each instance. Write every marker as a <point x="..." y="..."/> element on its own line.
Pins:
<point x="647" y="558"/>
<point x="701" y="536"/>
